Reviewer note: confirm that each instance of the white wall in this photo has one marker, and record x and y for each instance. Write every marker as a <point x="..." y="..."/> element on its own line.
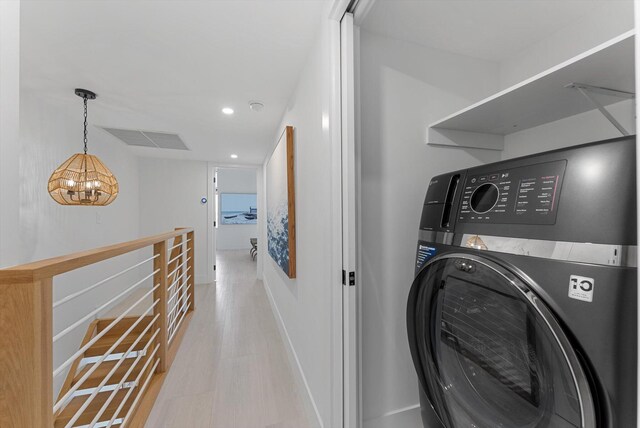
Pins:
<point x="403" y="88"/>
<point x="604" y="22"/>
<point x="9" y="129"/>
<point x="50" y="132"/>
<point x="304" y="305"/>
<point x="170" y="194"/>
<point x="236" y="236"/>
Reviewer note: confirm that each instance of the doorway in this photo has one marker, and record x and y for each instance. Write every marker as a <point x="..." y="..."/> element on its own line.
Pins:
<point x="234" y="215"/>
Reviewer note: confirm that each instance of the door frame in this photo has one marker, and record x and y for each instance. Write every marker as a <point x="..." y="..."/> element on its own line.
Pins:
<point x="334" y="122"/>
<point x="636" y="11"/>
<point x="211" y="214"/>
<point x="351" y="285"/>
<point x="347" y="166"/>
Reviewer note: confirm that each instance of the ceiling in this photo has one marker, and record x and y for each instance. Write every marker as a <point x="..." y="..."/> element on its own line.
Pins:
<point x="171" y="66"/>
<point x="474" y="27"/>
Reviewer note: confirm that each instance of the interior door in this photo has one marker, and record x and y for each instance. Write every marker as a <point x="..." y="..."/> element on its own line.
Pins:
<point x="489" y="353"/>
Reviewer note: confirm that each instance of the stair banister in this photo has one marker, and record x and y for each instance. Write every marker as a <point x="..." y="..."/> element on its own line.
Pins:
<point x="26" y="333"/>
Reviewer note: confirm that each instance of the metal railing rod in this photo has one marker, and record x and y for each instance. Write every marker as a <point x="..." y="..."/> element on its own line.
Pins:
<point x="173" y="308"/>
<point x="124" y="378"/>
<point x="176" y="281"/>
<point x="100" y="308"/>
<point x="144" y="387"/>
<point x="136" y="383"/>
<point x="176" y="293"/>
<point x="171" y="317"/>
<point x="97" y="284"/>
<point x="95" y="366"/>
<point x="176" y="269"/>
<point x="177" y="303"/>
<point x="97" y="337"/>
<point x="181" y="243"/>
<point x="178" y="256"/>
<point x="176" y="328"/>
<point x="180" y="289"/>
<point x="177" y="325"/>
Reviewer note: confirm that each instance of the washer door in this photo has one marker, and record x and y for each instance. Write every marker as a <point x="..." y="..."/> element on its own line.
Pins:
<point x="489" y="353"/>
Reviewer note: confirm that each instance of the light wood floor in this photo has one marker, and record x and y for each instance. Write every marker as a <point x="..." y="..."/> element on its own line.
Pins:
<point x="232" y="368"/>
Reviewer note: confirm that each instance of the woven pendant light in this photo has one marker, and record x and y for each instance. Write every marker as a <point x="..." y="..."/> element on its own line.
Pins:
<point x="83" y="179"/>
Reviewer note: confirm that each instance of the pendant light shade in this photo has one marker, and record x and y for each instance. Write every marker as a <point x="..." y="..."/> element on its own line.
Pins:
<point x="83" y="179"/>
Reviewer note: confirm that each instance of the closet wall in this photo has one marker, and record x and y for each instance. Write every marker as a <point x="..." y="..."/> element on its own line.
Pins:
<point x="404" y="86"/>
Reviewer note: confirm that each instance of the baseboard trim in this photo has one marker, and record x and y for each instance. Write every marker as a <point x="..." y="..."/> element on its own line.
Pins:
<point x="395" y="412"/>
<point x="407" y="417"/>
<point x="291" y="350"/>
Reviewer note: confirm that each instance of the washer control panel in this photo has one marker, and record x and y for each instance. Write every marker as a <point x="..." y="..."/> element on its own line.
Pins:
<point x="524" y="195"/>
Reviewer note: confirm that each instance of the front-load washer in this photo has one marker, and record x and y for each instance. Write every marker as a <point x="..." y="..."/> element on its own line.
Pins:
<point x="523" y="308"/>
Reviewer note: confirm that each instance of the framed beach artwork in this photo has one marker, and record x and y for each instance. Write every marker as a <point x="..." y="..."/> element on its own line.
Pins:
<point x="238" y="208"/>
<point x="281" y="219"/>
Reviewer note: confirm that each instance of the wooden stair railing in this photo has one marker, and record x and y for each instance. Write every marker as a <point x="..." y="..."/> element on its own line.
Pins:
<point x="115" y="374"/>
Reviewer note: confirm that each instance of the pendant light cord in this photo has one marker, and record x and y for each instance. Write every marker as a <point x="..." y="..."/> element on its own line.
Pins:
<point x="85" y="124"/>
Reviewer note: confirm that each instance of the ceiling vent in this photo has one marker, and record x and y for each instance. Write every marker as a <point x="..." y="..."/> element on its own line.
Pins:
<point x="160" y="140"/>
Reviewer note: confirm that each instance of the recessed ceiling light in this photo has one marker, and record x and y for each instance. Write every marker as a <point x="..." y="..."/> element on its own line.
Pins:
<point x="256" y="105"/>
<point x="234" y="156"/>
<point x="227" y="110"/>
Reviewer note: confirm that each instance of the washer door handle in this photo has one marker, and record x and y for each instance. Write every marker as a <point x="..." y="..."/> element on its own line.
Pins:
<point x="465" y="266"/>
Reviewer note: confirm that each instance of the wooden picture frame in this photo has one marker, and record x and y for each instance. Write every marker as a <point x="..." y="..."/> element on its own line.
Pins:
<point x="281" y="204"/>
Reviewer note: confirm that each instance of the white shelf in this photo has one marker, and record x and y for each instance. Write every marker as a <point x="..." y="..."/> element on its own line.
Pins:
<point x="542" y="98"/>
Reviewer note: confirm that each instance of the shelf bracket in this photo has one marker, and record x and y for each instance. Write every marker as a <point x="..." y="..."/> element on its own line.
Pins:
<point x="587" y="90"/>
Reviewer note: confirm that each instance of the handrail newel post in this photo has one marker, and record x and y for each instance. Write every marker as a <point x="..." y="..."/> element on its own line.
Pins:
<point x="192" y="271"/>
<point x="26" y="351"/>
<point x="160" y="265"/>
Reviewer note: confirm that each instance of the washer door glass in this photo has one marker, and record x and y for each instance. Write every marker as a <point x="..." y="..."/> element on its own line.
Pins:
<point x="489" y="353"/>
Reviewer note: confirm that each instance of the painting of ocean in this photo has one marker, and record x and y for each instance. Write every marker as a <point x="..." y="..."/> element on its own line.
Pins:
<point x="238" y="208"/>
<point x="280" y="205"/>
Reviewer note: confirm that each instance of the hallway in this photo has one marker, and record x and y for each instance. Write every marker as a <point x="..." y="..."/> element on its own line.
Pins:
<point x="232" y="368"/>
